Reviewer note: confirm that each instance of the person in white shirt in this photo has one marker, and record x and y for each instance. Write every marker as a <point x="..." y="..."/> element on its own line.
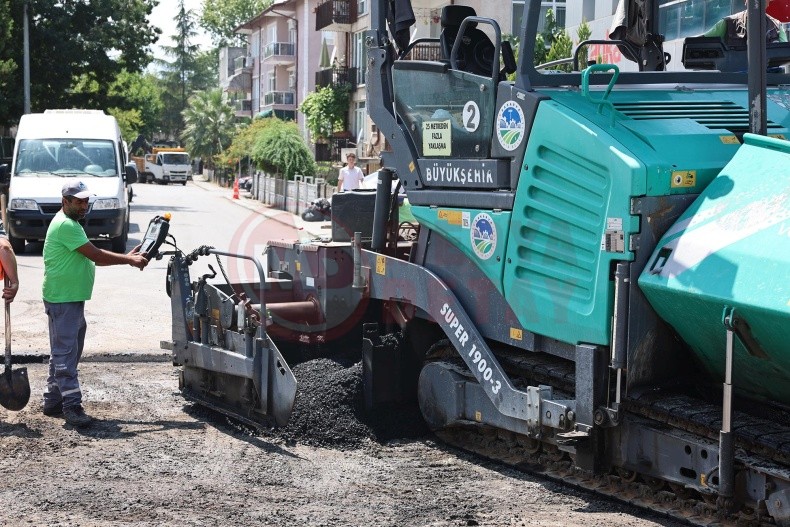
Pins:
<point x="351" y="176"/>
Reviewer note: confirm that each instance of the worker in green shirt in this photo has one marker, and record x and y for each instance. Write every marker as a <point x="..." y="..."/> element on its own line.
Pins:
<point x="70" y="261"/>
<point x="732" y="29"/>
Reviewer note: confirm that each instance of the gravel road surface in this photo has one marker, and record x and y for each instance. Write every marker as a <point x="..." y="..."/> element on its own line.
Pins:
<point x="153" y="458"/>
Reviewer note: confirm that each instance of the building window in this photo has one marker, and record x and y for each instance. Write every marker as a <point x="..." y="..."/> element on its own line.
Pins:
<point x="362" y="7"/>
<point x="556" y="6"/>
<point x="292" y="31"/>
<point x="360" y="120"/>
<point x="255" y="44"/>
<point x="686" y="18"/>
<point x="271" y="81"/>
<point x="358" y="56"/>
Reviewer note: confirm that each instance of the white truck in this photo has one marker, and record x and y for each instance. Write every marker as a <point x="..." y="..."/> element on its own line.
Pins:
<point x="167" y="165"/>
<point x="58" y="145"/>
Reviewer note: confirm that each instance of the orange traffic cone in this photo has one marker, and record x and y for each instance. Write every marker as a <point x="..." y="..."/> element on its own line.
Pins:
<point x="235" y="189"/>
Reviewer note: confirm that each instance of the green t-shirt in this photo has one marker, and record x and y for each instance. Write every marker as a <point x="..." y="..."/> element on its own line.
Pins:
<point x="68" y="275"/>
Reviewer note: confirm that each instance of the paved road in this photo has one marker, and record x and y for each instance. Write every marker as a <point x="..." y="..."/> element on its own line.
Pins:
<point x="130" y="311"/>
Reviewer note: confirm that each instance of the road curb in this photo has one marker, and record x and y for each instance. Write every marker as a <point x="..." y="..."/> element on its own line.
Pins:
<point x="313" y="229"/>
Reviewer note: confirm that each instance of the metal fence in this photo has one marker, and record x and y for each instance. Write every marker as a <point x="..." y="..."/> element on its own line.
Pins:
<point x="292" y="196"/>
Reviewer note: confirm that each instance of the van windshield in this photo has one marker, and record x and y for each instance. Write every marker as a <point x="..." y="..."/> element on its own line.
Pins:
<point x="65" y="157"/>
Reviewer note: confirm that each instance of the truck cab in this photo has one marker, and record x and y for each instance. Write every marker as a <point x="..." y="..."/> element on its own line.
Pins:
<point x="168" y="165"/>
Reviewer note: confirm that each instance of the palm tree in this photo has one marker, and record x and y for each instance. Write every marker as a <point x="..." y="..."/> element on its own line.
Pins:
<point x="209" y="125"/>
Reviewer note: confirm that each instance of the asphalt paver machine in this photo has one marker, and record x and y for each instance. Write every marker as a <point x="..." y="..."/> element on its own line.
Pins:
<point x="598" y="281"/>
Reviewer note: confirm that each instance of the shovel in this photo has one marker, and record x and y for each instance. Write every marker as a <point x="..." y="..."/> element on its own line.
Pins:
<point x="14" y="385"/>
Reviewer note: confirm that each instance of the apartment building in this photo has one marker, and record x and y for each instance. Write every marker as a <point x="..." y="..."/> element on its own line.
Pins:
<point x="297" y="46"/>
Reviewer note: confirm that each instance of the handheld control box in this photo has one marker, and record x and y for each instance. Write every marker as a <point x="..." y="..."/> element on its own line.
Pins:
<point x="155" y="236"/>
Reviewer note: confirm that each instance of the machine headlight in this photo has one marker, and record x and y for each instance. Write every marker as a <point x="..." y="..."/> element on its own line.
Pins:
<point x="23" y="204"/>
<point x="166" y="172"/>
<point x="106" y="203"/>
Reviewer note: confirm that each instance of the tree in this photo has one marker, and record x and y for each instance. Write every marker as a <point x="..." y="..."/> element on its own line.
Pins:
<point x="133" y="98"/>
<point x="209" y="125"/>
<point x="561" y="48"/>
<point x="142" y="93"/>
<point x="555" y="44"/>
<point x="72" y="41"/>
<point x="583" y="33"/>
<point x="546" y="38"/>
<point x="241" y="145"/>
<point x="129" y="121"/>
<point x="206" y="73"/>
<point x="272" y="144"/>
<point x="326" y="110"/>
<point x="7" y="64"/>
<point x="279" y="147"/>
<point x="177" y="75"/>
<point x="245" y="137"/>
<point x="221" y="17"/>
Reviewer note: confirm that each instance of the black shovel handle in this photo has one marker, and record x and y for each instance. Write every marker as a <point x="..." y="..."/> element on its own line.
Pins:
<point x="7" y="283"/>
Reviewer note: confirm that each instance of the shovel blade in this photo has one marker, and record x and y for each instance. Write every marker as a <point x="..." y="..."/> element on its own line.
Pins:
<point x="14" y="389"/>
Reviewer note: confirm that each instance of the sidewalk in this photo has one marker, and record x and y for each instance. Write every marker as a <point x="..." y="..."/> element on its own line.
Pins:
<point x="314" y="229"/>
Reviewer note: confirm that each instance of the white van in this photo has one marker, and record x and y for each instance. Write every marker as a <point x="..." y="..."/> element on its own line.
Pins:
<point x="56" y="145"/>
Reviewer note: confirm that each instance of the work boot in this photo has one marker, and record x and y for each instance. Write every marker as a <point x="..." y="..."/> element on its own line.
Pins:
<point x="56" y="410"/>
<point x="76" y="416"/>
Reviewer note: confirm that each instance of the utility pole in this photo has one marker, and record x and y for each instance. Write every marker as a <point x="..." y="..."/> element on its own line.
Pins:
<point x="26" y="57"/>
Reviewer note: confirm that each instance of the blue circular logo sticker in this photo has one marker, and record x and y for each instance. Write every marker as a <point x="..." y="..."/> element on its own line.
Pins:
<point x="483" y="234"/>
<point x="510" y="125"/>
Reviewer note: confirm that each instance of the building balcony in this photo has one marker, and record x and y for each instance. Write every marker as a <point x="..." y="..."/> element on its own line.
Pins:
<point x="280" y="53"/>
<point x="243" y="65"/>
<point x="431" y="51"/>
<point x="337" y="76"/>
<point x="241" y="81"/>
<point x="243" y="107"/>
<point x="279" y="98"/>
<point x="335" y="15"/>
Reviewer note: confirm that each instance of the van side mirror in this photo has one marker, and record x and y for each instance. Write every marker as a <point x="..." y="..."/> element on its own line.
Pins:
<point x="131" y="173"/>
<point x="4" y="174"/>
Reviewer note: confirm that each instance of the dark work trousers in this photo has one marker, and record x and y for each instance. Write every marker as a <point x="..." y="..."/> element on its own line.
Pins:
<point x="66" y="339"/>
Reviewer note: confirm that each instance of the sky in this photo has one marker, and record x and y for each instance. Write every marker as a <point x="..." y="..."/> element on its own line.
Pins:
<point x="164" y="16"/>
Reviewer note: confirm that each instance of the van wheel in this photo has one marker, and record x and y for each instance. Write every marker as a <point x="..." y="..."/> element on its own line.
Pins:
<point x="17" y="244"/>
<point x="184" y="183"/>
<point x="118" y="244"/>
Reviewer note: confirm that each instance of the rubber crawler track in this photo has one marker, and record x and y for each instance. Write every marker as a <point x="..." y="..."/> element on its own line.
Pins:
<point x="533" y="457"/>
<point x="517" y="452"/>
